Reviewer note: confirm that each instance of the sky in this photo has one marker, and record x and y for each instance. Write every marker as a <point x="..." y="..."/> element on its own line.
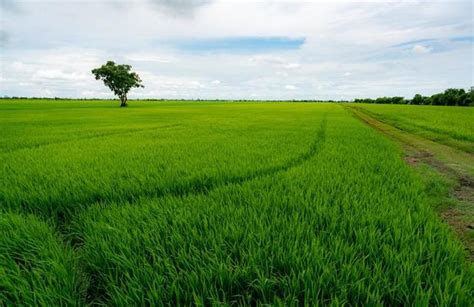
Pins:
<point x="238" y="49"/>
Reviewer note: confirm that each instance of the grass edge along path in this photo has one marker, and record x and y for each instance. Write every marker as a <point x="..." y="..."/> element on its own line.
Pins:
<point x="463" y="142"/>
<point x="447" y="173"/>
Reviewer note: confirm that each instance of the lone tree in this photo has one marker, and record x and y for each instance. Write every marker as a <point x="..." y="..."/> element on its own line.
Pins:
<point x="118" y="78"/>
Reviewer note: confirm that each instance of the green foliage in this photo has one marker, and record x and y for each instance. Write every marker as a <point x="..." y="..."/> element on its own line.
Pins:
<point x="453" y="97"/>
<point x="383" y="100"/>
<point x="35" y="268"/>
<point x="216" y="204"/>
<point x="118" y="78"/>
<point x="417" y="100"/>
<point x="450" y="97"/>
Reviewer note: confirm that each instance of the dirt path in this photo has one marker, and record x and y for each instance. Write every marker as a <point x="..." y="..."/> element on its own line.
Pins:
<point x="456" y="208"/>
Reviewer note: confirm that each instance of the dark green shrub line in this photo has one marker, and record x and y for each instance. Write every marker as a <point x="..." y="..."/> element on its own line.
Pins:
<point x="450" y="97"/>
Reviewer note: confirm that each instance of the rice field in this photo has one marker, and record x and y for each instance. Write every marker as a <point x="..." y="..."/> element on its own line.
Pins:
<point x="179" y="203"/>
<point x="450" y="126"/>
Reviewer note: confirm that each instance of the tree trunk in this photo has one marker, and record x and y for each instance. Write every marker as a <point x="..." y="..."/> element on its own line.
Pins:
<point x="123" y="101"/>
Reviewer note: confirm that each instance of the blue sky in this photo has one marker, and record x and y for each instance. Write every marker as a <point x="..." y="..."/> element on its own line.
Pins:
<point x="245" y="44"/>
<point x="235" y="49"/>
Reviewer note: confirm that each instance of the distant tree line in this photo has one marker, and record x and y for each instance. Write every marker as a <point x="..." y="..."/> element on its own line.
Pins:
<point x="450" y="97"/>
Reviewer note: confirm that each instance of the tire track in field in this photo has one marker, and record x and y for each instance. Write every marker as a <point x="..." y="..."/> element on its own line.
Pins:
<point x="202" y="188"/>
<point x="205" y="188"/>
<point x="199" y="186"/>
<point x="61" y="222"/>
<point x="61" y="214"/>
<point x="35" y="146"/>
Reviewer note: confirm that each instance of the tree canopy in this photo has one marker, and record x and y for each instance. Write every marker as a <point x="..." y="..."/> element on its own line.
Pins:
<point x="450" y="97"/>
<point x="118" y="78"/>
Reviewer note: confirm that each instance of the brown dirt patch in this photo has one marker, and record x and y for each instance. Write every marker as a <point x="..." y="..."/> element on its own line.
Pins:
<point x="455" y="219"/>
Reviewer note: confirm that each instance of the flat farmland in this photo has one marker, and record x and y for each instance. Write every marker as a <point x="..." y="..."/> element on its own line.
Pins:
<point x="451" y="126"/>
<point x="219" y="203"/>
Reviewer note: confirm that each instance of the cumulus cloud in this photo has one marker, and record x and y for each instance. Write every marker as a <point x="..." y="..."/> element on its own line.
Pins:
<point x="63" y="72"/>
<point x="373" y="40"/>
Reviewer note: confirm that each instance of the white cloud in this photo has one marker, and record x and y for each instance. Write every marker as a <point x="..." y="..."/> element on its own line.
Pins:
<point x="290" y="87"/>
<point x="149" y="57"/>
<point x="59" y="75"/>
<point x="342" y="39"/>
<point x="276" y="61"/>
<point x="420" y="49"/>
<point x="292" y="65"/>
<point x="95" y="94"/>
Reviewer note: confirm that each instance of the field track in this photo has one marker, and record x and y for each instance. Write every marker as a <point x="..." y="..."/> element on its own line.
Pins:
<point x="215" y="203"/>
<point x="448" y="161"/>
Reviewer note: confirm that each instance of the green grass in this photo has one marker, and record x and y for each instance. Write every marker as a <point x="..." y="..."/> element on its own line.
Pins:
<point x="218" y="203"/>
<point x="452" y="126"/>
<point x="35" y="266"/>
<point x="77" y="155"/>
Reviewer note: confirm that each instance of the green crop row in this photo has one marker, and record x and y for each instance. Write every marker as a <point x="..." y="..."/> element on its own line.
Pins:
<point x="243" y="204"/>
